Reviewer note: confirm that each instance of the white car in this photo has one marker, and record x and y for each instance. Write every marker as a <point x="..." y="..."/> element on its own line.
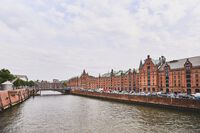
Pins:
<point x="142" y="93"/>
<point x="197" y="96"/>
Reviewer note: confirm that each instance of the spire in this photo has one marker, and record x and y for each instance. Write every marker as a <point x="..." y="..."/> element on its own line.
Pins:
<point x="187" y="62"/>
<point x="84" y="72"/>
<point x="112" y="72"/>
<point x="140" y="64"/>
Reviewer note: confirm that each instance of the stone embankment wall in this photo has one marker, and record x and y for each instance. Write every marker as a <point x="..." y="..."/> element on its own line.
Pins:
<point x="187" y="104"/>
<point x="10" y="98"/>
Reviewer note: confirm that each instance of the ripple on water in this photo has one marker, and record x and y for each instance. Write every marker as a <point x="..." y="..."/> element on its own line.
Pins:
<point x="65" y="113"/>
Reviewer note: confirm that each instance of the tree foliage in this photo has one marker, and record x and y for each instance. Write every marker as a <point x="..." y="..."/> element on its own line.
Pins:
<point x="31" y="83"/>
<point x="20" y="82"/>
<point x="6" y="75"/>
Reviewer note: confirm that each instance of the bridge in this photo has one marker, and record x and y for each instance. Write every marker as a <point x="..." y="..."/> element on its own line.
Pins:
<point x="61" y="90"/>
<point x="51" y="86"/>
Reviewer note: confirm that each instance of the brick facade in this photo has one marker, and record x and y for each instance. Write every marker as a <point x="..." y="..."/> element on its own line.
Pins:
<point x="148" y="74"/>
<point x="152" y="76"/>
<point x="51" y="85"/>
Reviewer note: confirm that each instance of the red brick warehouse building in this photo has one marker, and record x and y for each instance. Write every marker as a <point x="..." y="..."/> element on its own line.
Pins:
<point x="181" y="75"/>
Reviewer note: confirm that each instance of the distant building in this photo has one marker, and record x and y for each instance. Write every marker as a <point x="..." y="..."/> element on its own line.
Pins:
<point x="56" y="84"/>
<point x="23" y="77"/>
<point x="7" y="85"/>
<point x="56" y="81"/>
<point x="181" y="75"/>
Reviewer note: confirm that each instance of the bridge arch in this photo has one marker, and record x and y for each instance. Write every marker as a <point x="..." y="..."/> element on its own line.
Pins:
<point x="62" y="91"/>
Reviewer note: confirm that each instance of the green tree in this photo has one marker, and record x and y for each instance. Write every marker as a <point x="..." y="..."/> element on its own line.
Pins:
<point x="31" y="83"/>
<point x="6" y="75"/>
<point x="19" y="82"/>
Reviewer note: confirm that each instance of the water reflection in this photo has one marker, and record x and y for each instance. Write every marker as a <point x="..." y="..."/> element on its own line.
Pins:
<point x="74" y="114"/>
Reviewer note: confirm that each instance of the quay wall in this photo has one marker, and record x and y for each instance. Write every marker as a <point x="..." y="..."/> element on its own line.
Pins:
<point x="9" y="98"/>
<point x="186" y="104"/>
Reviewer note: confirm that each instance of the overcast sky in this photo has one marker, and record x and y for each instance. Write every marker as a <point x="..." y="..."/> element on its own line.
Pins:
<point x="46" y="39"/>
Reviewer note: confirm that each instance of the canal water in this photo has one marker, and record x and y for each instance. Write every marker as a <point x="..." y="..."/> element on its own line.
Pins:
<point x="75" y="114"/>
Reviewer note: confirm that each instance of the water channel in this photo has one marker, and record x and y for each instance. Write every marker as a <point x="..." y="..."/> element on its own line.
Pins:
<point x="74" y="114"/>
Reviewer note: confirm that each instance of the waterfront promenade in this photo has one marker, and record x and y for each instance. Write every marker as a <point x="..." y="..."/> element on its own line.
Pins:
<point x="13" y="97"/>
<point x="184" y="104"/>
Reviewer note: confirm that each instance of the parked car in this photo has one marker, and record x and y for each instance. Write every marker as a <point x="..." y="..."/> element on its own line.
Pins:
<point x="197" y="96"/>
<point x="131" y="93"/>
<point x="185" y="96"/>
<point x="182" y="95"/>
<point x="161" y="94"/>
<point x="115" y="92"/>
<point x="136" y="94"/>
<point x="91" y="90"/>
<point x="148" y="94"/>
<point x="153" y="94"/>
<point x="99" y="90"/>
<point x="142" y="93"/>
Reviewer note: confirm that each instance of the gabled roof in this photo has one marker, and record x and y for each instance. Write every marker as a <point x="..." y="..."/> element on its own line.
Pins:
<point x="155" y="62"/>
<point x="7" y="83"/>
<point x="176" y="64"/>
<point x="136" y="70"/>
<point x="91" y="76"/>
<point x="73" y="78"/>
<point x="120" y="72"/>
<point x="106" y="75"/>
<point x="140" y="66"/>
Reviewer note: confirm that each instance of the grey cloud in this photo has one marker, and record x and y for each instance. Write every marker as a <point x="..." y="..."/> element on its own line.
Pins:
<point x="57" y="38"/>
